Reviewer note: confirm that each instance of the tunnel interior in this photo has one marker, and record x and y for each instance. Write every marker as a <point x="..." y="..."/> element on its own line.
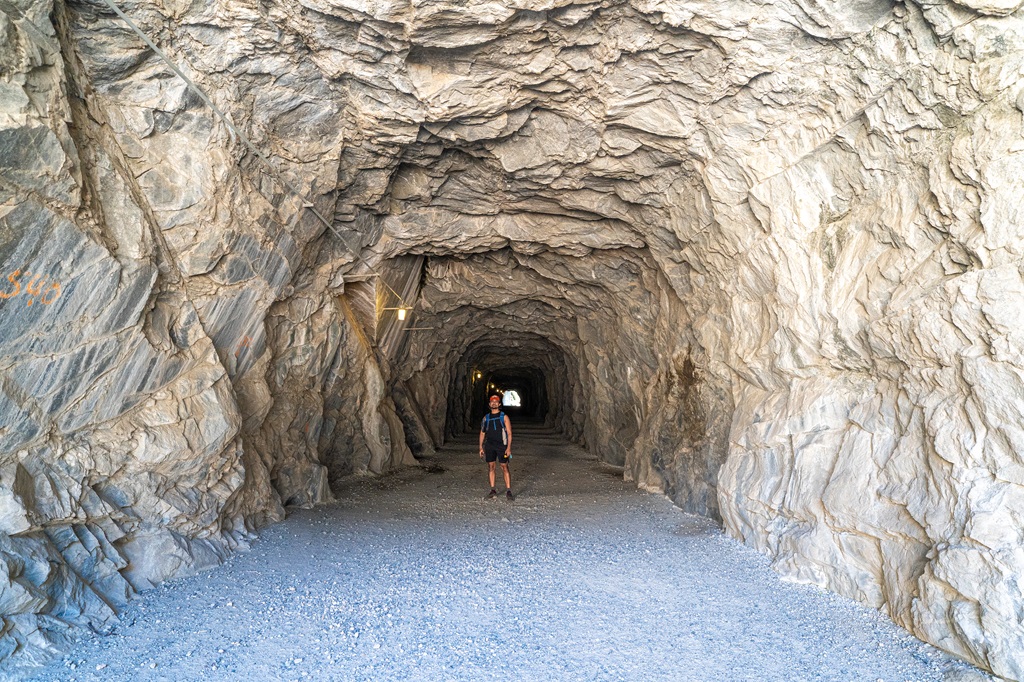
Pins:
<point x="521" y="363"/>
<point x="763" y="257"/>
<point x="523" y="390"/>
<point x="572" y="330"/>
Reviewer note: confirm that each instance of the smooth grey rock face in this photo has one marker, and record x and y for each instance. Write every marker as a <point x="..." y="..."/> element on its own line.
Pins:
<point x="766" y="257"/>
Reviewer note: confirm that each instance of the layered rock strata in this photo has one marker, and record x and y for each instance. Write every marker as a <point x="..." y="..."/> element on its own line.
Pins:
<point x="766" y="257"/>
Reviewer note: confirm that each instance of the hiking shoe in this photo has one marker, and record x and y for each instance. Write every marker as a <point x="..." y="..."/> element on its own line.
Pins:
<point x="509" y="496"/>
<point x="492" y="494"/>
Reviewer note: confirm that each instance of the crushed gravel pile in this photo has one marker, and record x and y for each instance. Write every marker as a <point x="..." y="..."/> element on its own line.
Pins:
<point x="415" y="576"/>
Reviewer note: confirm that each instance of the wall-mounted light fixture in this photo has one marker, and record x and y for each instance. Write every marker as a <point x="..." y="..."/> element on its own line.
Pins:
<point x="401" y="312"/>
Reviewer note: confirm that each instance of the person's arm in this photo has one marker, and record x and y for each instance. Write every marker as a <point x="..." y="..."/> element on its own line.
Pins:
<point x="508" y="430"/>
<point x="481" y="443"/>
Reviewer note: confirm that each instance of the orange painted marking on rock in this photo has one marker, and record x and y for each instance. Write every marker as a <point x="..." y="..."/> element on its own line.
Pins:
<point x="242" y="346"/>
<point x="13" y="279"/>
<point x="35" y="287"/>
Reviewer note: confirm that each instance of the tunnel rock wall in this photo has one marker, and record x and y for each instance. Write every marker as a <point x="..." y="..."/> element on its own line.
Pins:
<point x="165" y="334"/>
<point x="684" y="433"/>
<point x="820" y="203"/>
<point x="875" y="446"/>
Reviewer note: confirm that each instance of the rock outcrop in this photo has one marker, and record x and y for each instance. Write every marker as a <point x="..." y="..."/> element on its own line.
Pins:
<point x="765" y="256"/>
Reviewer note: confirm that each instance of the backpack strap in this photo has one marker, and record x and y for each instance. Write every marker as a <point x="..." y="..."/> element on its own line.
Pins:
<point x="485" y="422"/>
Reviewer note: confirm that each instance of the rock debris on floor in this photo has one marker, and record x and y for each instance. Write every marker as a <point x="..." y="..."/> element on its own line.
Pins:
<point x="415" y="576"/>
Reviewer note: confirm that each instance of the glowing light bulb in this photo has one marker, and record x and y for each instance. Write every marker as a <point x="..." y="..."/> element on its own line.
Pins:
<point x="401" y="313"/>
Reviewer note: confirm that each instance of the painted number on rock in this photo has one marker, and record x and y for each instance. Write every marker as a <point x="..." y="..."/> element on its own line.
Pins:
<point x="35" y="287"/>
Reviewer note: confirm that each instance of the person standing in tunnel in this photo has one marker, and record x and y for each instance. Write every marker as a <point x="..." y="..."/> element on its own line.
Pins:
<point x="496" y="444"/>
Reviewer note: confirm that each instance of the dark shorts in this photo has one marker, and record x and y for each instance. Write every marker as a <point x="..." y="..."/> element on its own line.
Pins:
<point x="495" y="453"/>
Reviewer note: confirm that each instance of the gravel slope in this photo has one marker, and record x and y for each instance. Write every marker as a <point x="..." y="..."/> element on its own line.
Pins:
<point x="416" y="577"/>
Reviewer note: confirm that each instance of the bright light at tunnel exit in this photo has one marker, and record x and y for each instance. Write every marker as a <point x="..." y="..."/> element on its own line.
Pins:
<point x="511" y="399"/>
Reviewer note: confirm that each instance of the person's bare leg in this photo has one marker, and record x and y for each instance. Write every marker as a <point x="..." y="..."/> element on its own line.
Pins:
<point x="490" y="472"/>
<point x="508" y="477"/>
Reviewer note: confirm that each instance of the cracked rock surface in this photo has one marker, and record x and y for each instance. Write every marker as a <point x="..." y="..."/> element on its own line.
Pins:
<point x="767" y="257"/>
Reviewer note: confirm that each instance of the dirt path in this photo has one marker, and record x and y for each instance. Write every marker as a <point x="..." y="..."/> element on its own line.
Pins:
<point x="416" y="577"/>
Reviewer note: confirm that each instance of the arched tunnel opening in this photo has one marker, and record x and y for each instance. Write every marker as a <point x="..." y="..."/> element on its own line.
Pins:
<point x="574" y="329"/>
<point x="523" y="392"/>
<point x="535" y="369"/>
<point x="760" y="258"/>
<point x="511" y="398"/>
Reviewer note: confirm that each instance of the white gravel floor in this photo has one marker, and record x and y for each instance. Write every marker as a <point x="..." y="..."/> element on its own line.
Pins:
<point x="416" y="577"/>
